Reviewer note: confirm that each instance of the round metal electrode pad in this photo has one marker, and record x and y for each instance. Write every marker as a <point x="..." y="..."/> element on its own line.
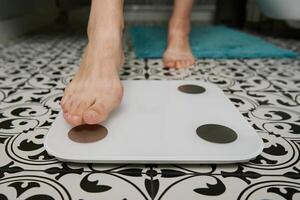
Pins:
<point x="87" y="133"/>
<point x="191" y="89"/>
<point x="216" y="133"/>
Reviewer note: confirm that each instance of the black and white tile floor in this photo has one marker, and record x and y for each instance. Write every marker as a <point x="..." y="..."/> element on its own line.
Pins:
<point x="35" y="69"/>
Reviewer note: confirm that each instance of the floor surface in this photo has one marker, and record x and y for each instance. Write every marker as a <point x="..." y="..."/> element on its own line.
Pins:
<point x="35" y="69"/>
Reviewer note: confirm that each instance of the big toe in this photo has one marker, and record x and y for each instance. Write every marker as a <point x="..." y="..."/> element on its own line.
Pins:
<point x="169" y="63"/>
<point x="67" y="112"/>
<point x="95" y="114"/>
<point x="71" y="114"/>
<point x="65" y="103"/>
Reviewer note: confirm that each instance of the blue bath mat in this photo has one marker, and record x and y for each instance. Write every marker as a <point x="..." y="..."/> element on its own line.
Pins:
<point x="207" y="42"/>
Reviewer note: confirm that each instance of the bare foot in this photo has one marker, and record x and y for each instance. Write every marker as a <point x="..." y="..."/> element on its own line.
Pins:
<point x="178" y="53"/>
<point x="96" y="88"/>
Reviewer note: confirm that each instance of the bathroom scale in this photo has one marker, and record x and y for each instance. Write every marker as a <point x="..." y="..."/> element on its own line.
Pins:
<point x="160" y="122"/>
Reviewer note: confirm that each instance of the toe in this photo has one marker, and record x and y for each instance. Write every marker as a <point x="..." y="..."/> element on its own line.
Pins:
<point x="186" y="63"/>
<point x="67" y="93"/>
<point x="67" y="117"/>
<point x="168" y="60"/>
<point x="75" y="120"/>
<point x="169" y="63"/>
<point x="74" y="116"/>
<point x="193" y="61"/>
<point x="66" y="106"/>
<point x="63" y="102"/>
<point x="68" y="113"/>
<point x="69" y="108"/>
<point x="77" y="116"/>
<point x="95" y="114"/>
<point x="180" y="63"/>
<point x="63" y="99"/>
<point x="72" y="119"/>
<point x="189" y="63"/>
<point x="74" y="104"/>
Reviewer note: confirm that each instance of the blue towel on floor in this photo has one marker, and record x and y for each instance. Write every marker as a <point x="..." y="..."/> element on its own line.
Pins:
<point x="207" y="42"/>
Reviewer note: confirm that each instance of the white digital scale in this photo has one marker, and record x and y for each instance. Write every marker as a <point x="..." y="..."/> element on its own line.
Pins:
<point x="161" y="122"/>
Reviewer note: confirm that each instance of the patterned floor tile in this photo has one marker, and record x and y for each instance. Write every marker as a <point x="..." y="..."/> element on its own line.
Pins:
<point x="227" y="74"/>
<point x="198" y="186"/>
<point x="34" y="70"/>
<point x="277" y="113"/>
<point x="74" y="184"/>
<point x="283" y="74"/>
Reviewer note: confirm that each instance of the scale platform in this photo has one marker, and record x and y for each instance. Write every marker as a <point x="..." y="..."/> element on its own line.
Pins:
<point x="161" y="122"/>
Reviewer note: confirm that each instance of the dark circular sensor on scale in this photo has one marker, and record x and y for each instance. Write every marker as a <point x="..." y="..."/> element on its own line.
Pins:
<point x="216" y="133"/>
<point x="191" y="89"/>
<point x="86" y="133"/>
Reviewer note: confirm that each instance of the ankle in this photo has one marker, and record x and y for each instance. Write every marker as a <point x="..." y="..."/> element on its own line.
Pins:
<point x="110" y="27"/>
<point x="105" y="53"/>
<point x="179" y="26"/>
<point x="105" y="33"/>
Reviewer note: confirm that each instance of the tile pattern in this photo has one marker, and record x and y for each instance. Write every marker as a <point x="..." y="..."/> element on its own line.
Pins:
<point x="35" y="69"/>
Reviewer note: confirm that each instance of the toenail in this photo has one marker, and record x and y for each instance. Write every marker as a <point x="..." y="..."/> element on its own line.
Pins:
<point x="67" y="115"/>
<point x="65" y="111"/>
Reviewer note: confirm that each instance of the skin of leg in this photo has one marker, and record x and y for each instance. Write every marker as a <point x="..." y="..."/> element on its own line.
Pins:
<point x="178" y="53"/>
<point x="96" y="88"/>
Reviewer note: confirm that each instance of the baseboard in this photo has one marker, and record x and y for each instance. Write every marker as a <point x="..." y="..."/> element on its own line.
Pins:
<point x="203" y="14"/>
<point x="145" y="13"/>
